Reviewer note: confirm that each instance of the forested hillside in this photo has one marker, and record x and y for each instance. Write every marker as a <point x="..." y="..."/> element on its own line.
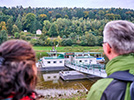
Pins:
<point x="63" y="26"/>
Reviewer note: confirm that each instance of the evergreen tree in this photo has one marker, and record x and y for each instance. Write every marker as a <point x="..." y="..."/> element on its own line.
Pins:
<point x="10" y="25"/>
<point x="18" y="23"/>
<point x="29" y="22"/>
<point x="3" y="36"/>
<point x="53" y="30"/>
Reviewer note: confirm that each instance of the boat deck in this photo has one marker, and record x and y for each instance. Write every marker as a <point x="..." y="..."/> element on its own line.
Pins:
<point x="72" y="75"/>
<point x="93" y="71"/>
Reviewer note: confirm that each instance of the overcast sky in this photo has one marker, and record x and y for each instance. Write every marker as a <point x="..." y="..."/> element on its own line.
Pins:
<point x="70" y="3"/>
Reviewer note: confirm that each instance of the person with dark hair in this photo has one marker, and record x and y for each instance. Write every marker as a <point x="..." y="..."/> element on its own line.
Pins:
<point x="118" y="46"/>
<point x="18" y="73"/>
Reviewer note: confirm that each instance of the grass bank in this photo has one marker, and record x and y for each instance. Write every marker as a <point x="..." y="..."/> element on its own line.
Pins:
<point x="42" y="50"/>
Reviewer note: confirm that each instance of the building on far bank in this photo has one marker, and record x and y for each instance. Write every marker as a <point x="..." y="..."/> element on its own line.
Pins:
<point x="25" y="31"/>
<point x="38" y="32"/>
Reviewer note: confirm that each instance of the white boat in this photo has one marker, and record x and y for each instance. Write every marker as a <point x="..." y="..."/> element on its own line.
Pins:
<point x="57" y="60"/>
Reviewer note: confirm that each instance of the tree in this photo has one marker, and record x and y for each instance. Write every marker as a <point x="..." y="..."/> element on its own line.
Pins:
<point x="18" y="23"/>
<point x="29" y="22"/>
<point x="66" y="42"/>
<point x="58" y="15"/>
<point x="59" y="39"/>
<point x="99" y="40"/>
<point x="79" y="30"/>
<point x="34" y="26"/>
<point x="84" y="41"/>
<point x="3" y="26"/>
<point x="73" y="36"/>
<point x="53" y="31"/>
<point x="64" y="36"/>
<point x="44" y="31"/>
<point x="47" y="24"/>
<point x="47" y="41"/>
<point x="15" y="29"/>
<point x="91" y="39"/>
<point x="17" y="35"/>
<point x="42" y="17"/>
<point x="66" y="16"/>
<point x="110" y="16"/>
<point x="3" y="36"/>
<point x="10" y="25"/>
<point x="86" y="14"/>
<point x="38" y="25"/>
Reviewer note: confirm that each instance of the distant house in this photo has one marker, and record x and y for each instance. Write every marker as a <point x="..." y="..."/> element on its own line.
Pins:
<point x="25" y="30"/>
<point x="38" y="32"/>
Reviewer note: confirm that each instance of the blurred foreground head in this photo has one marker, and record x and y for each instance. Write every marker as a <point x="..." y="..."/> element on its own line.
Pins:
<point x="119" y="35"/>
<point x="17" y="69"/>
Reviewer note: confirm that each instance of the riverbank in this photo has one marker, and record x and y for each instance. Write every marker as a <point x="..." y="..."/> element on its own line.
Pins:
<point x="42" y="50"/>
<point x="62" y="94"/>
<point x="63" y="90"/>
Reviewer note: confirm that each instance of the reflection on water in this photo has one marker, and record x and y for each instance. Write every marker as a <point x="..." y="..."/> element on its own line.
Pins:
<point x="51" y="83"/>
<point x="51" y="77"/>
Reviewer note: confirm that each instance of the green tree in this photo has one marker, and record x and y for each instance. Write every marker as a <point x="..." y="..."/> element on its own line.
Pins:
<point x="17" y="35"/>
<point x="29" y="22"/>
<point x="73" y="36"/>
<point x="18" y="23"/>
<point x="66" y="16"/>
<point x="58" y="15"/>
<point x="44" y="31"/>
<point x="53" y="31"/>
<point x="64" y="36"/>
<point x="84" y="41"/>
<point x="110" y="16"/>
<point x="34" y="26"/>
<point x="10" y="25"/>
<point x="79" y="30"/>
<point x="3" y="36"/>
<point x="47" y="24"/>
<point x="86" y="14"/>
<point x="91" y="39"/>
<point x="99" y="40"/>
<point x="67" y="42"/>
<point x="15" y="29"/>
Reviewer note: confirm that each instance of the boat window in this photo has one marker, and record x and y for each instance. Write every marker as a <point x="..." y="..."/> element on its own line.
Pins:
<point x="54" y="76"/>
<point x="80" y="55"/>
<point x="67" y="56"/>
<point x="85" y="60"/>
<point x="54" y="61"/>
<point x="80" y="60"/>
<point x="48" y="77"/>
<point x="60" y="61"/>
<point x="48" y="62"/>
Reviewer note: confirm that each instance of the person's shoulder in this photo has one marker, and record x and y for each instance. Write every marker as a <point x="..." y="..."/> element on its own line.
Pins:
<point x="101" y="84"/>
<point x="98" y="88"/>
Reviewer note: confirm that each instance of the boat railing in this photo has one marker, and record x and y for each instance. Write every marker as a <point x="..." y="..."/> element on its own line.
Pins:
<point x="87" y="66"/>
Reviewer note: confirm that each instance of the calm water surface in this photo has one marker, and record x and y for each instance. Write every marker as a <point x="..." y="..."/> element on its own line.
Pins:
<point x="50" y="83"/>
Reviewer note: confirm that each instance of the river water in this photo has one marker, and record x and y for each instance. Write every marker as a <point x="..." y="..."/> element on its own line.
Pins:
<point x="50" y="85"/>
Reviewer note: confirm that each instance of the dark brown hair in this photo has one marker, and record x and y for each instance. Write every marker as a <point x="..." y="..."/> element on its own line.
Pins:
<point x="17" y="69"/>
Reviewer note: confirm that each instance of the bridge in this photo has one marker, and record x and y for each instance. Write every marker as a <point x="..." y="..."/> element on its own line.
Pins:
<point x="92" y="69"/>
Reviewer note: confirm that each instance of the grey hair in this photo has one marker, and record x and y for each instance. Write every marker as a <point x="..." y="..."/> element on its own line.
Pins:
<point x="120" y="36"/>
